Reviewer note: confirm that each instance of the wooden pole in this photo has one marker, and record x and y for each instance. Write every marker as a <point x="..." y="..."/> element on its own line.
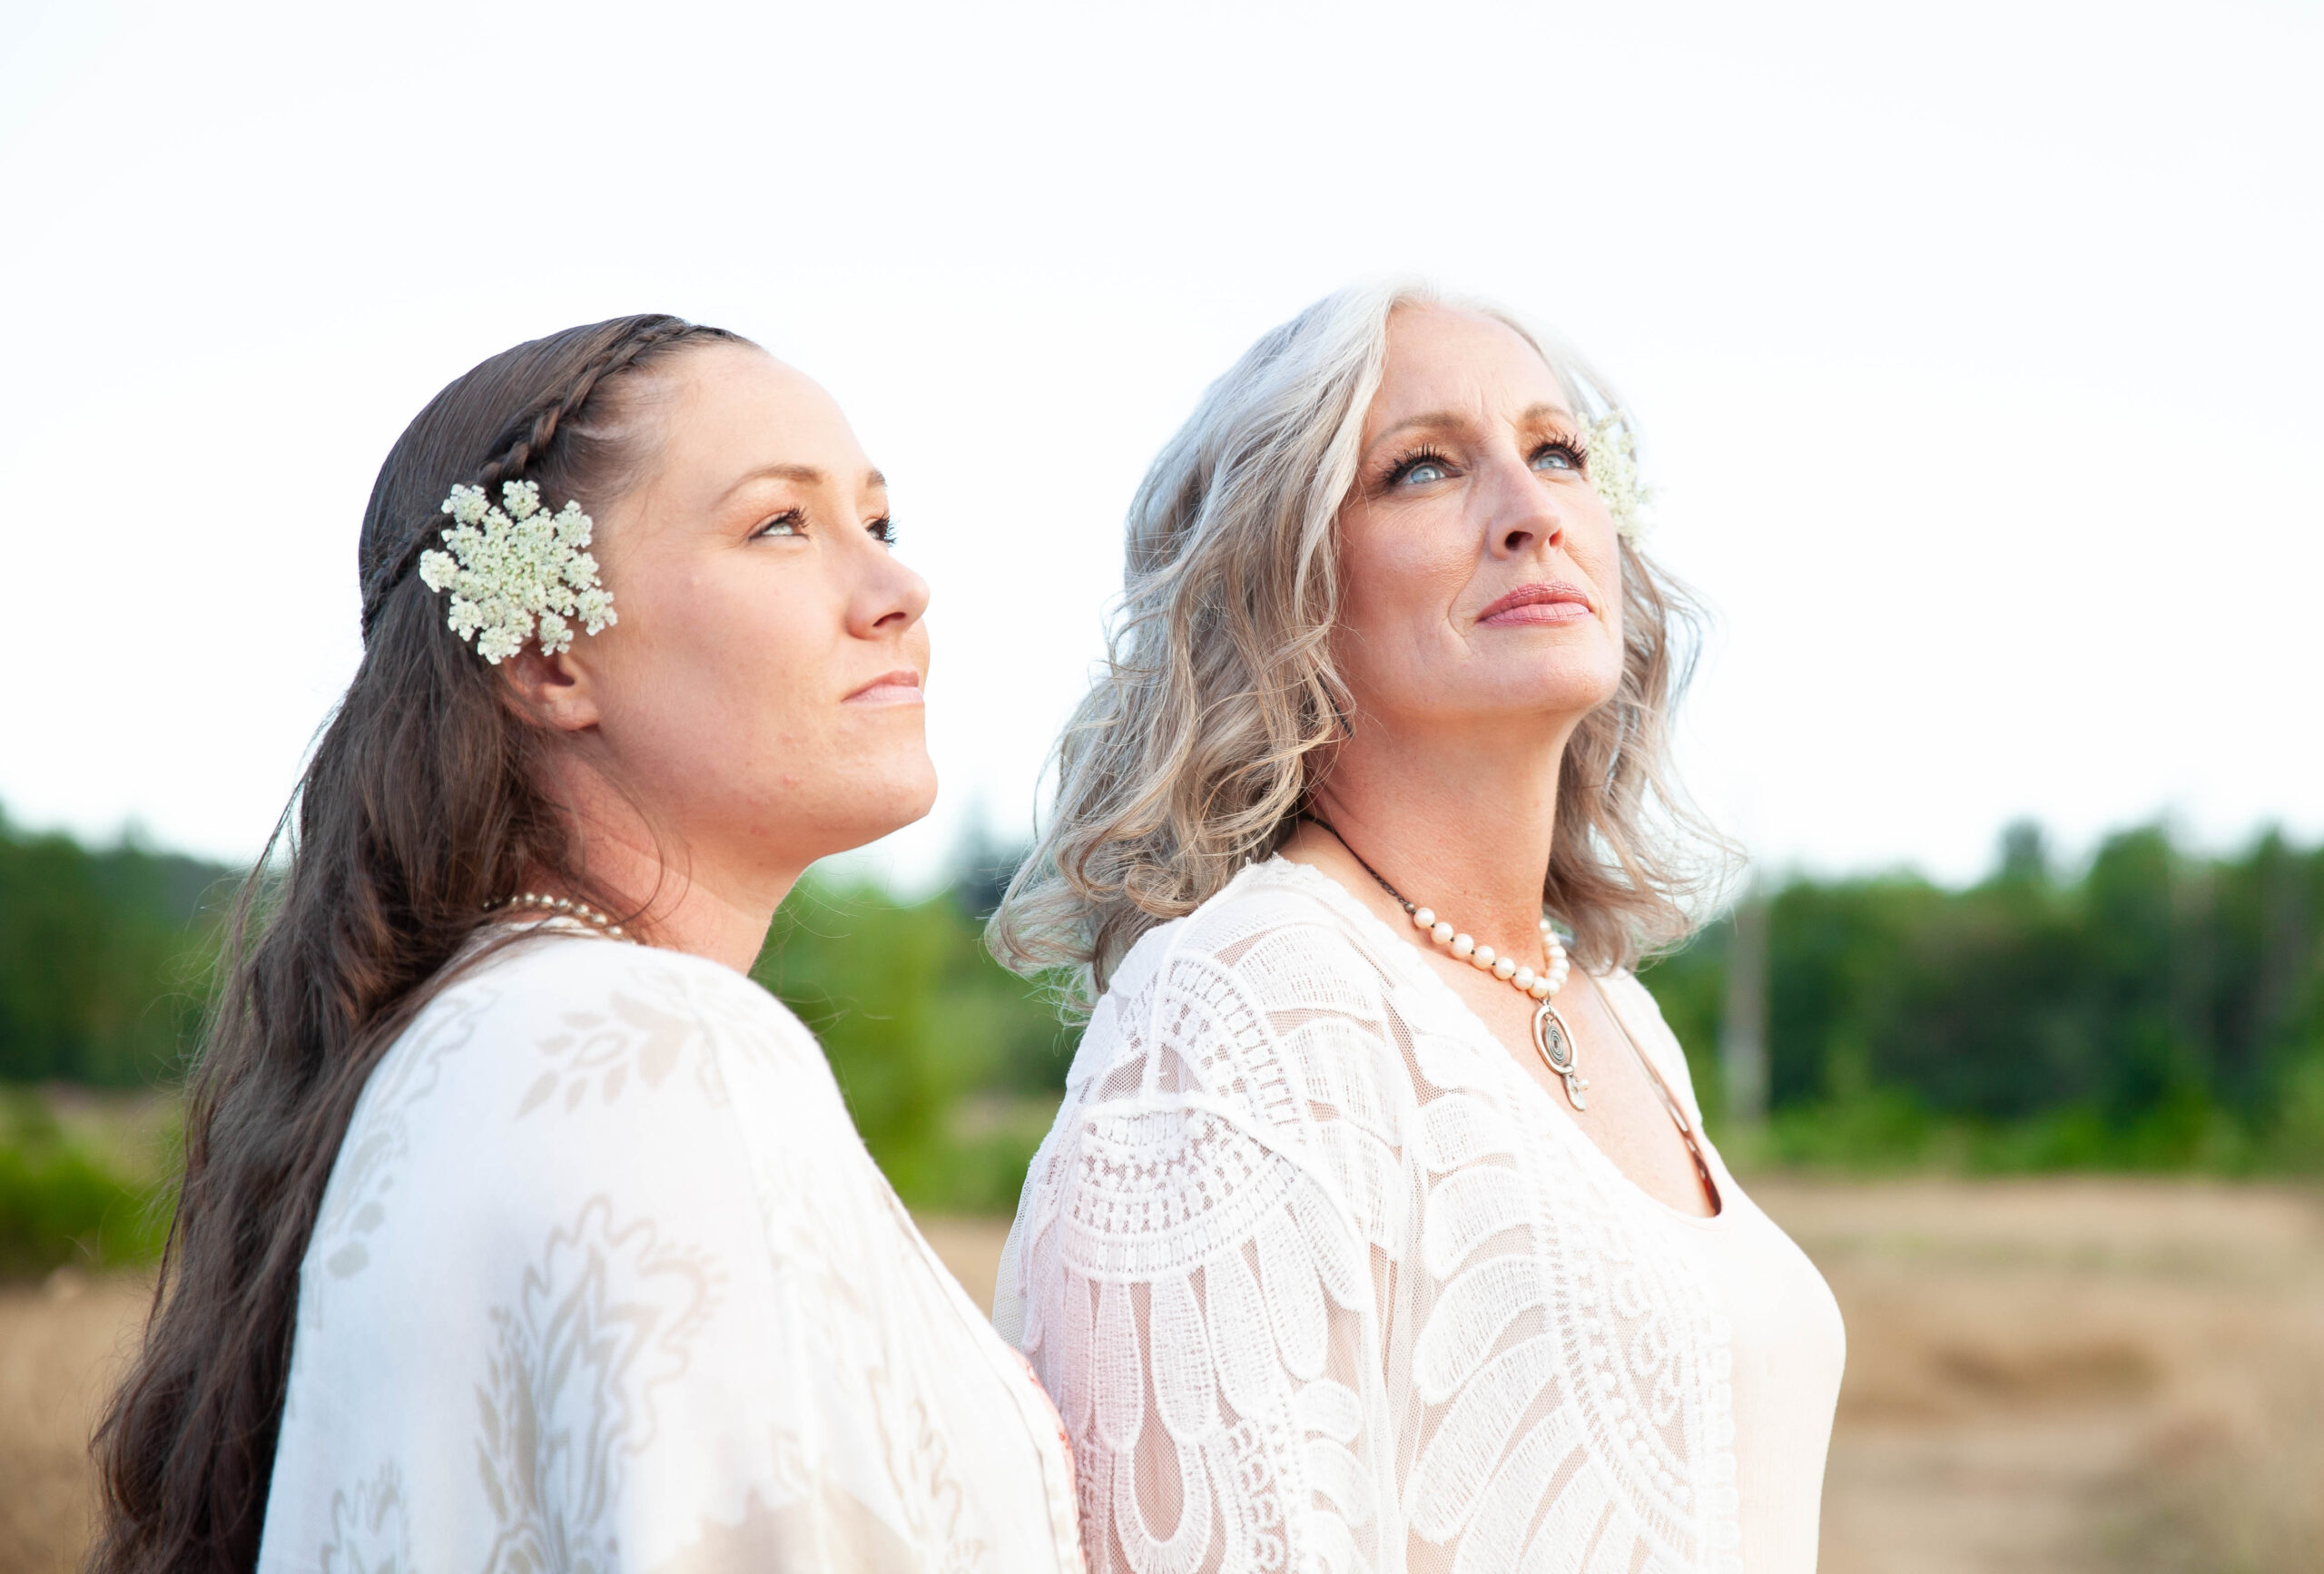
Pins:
<point x="1743" y="1037"/>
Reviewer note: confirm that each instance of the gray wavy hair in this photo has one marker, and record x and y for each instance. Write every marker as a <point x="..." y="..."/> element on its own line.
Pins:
<point x="1219" y="705"/>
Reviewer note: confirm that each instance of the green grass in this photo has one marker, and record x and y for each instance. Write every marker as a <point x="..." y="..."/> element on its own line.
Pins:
<point x="64" y="1200"/>
<point x="1885" y="1131"/>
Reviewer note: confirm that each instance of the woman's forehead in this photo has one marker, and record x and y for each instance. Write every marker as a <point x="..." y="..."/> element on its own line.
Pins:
<point x="752" y="414"/>
<point x="1445" y="363"/>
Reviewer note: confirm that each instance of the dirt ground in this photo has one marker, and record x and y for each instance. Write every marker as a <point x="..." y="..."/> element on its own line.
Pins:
<point x="2044" y="1377"/>
<point x="2070" y="1376"/>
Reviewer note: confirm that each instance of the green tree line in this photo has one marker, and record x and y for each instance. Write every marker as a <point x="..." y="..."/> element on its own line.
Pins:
<point x="104" y="959"/>
<point x="2153" y="1007"/>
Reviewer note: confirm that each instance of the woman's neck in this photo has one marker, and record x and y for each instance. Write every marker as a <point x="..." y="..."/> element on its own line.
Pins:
<point x="1459" y="824"/>
<point x="687" y="899"/>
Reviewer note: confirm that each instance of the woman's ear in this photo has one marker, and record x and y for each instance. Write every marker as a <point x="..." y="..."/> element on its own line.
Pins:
<point x="553" y="691"/>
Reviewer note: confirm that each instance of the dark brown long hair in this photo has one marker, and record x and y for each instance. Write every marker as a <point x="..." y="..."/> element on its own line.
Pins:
<point x="422" y="807"/>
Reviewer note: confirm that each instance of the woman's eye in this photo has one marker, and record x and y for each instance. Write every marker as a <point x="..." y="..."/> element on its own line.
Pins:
<point x="882" y="530"/>
<point x="789" y="523"/>
<point x="1556" y="457"/>
<point x="1423" y="473"/>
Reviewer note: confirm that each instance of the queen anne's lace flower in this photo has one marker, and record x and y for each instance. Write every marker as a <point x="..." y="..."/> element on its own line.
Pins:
<point x="1613" y="471"/>
<point x="517" y="572"/>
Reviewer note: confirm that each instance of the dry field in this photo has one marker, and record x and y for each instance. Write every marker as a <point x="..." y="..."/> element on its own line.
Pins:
<point x="2073" y="1375"/>
<point x="2044" y="1377"/>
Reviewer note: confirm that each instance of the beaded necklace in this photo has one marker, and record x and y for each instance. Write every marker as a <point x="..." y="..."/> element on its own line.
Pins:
<point x="1552" y="1039"/>
<point x="565" y="907"/>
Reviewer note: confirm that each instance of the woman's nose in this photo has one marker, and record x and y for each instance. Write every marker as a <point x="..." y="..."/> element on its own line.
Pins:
<point x="894" y="598"/>
<point x="1519" y="514"/>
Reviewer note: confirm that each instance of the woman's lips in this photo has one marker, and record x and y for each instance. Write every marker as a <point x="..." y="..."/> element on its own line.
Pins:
<point x="897" y="688"/>
<point x="1555" y="602"/>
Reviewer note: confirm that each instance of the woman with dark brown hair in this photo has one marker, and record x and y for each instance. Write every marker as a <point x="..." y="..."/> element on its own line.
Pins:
<point x="519" y="1229"/>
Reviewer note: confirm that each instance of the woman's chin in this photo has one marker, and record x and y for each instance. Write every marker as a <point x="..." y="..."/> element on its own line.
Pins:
<point x="881" y="806"/>
<point x="1573" y="689"/>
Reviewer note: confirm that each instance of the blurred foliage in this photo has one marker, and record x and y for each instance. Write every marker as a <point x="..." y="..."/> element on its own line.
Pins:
<point x="104" y="959"/>
<point x="2152" y="1009"/>
<point x="951" y="1065"/>
<point x="65" y="1201"/>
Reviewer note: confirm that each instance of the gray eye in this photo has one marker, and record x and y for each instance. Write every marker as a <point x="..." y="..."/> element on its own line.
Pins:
<point x="1426" y="472"/>
<point x="1554" y="460"/>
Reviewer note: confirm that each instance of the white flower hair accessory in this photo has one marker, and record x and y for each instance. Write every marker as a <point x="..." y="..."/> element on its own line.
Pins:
<point x="1613" y="472"/>
<point x="516" y="571"/>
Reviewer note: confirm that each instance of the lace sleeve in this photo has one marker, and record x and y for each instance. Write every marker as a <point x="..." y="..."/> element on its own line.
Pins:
<point x="1196" y="1257"/>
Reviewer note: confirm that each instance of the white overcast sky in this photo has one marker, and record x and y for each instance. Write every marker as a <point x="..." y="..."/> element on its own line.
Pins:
<point x="1976" y="347"/>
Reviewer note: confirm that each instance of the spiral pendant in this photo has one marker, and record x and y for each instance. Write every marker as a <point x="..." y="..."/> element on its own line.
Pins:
<point x="1554" y="1039"/>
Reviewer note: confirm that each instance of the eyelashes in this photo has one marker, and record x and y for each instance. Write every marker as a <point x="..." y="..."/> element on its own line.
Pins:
<point x="793" y="522"/>
<point x="1413" y="459"/>
<point x="1572" y="451"/>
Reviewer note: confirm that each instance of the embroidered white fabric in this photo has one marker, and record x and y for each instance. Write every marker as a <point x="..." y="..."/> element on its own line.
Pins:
<point x="1320" y="1279"/>
<point x="605" y="1280"/>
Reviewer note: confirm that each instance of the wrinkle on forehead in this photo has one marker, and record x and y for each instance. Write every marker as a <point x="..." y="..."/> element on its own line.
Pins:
<point x="1453" y="406"/>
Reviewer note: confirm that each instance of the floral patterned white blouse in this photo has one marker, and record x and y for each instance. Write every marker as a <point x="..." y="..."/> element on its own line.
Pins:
<point x="1322" y="1280"/>
<point x="605" y="1280"/>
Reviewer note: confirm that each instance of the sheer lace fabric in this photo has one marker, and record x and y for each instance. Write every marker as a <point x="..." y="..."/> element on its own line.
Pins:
<point x="1320" y="1279"/>
<point x="605" y="1280"/>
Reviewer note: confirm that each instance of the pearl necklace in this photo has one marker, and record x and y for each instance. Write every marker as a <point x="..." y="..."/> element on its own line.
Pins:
<point x="1552" y="1039"/>
<point x="565" y="907"/>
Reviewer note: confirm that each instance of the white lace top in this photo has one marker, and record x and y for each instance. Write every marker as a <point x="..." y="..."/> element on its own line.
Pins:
<point x="605" y="1280"/>
<point x="1321" y="1280"/>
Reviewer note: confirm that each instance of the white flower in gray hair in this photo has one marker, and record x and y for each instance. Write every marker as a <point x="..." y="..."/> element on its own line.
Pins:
<point x="517" y="572"/>
<point x="1613" y="471"/>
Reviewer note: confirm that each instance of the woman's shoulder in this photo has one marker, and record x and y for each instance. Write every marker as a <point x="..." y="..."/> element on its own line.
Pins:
<point x="1283" y="932"/>
<point x="1269" y="991"/>
<point x="558" y="972"/>
<point x="562" y="1018"/>
<point x="1243" y="1054"/>
<point x="561" y="1065"/>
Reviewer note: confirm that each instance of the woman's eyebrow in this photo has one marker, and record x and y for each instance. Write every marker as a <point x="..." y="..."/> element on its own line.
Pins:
<point x="1433" y="419"/>
<point x="1546" y="411"/>
<point x="804" y="474"/>
<point x="1440" y="420"/>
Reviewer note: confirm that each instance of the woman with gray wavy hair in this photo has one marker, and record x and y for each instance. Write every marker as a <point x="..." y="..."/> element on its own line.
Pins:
<point x="1370" y="1237"/>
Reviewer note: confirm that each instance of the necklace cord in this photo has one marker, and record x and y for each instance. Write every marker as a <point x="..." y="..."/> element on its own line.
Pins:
<point x="1401" y="900"/>
<point x="1316" y="819"/>
<point x="1676" y="1111"/>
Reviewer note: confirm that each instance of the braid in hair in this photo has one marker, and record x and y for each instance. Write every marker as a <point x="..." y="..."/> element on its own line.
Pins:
<point x="421" y="809"/>
<point x="530" y="434"/>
